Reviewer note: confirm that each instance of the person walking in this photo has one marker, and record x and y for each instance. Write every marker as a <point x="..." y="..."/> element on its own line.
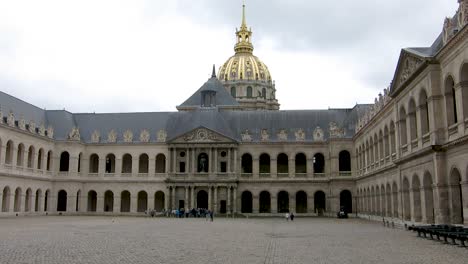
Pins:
<point x="287" y="216"/>
<point x="292" y="216"/>
<point x="211" y="215"/>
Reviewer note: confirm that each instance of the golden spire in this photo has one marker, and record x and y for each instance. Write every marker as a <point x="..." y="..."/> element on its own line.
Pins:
<point x="244" y="34"/>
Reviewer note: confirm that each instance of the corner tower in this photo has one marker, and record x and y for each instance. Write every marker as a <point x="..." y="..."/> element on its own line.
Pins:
<point x="246" y="77"/>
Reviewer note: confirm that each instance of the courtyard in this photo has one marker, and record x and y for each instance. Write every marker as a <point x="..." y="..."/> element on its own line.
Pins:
<point x="82" y="239"/>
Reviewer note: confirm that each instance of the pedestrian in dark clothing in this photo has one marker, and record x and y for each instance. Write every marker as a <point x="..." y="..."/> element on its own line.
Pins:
<point x="211" y="216"/>
<point x="292" y="217"/>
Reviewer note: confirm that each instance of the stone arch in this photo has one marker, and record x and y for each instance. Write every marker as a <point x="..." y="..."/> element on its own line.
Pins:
<point x="27" y="200"/>
<point x="46" y="200"/>
<point x="6" y="199"/>
<point x="233" y="92"/>
<point x="282" y="162"/>
<point x="249" y="92"/>
<point x="388" y="199"/>
<point x="108" y="201"/>
<point x="372" y="201"/>
<point x="392" y="138"/>
<point x="386" y="136"/>
<point x="20" y="155"/>
<point x="416" y="190"/>
<point x="160" y="163"/>
<point x="92" y="201"/>
<point x="346" y="201"/>
<point x="94" y="163"/>
<point x="428" y="198"/>
<point x="382" y="200"/>
<point x="344" y="160"/>
<point x="301" y="202"/>
<point x="464" y="87"/>
<point x="412" y="120"/>
<point x="37" y="200"/>
<point x="283" y="202"/>
<point x="125" y="201"/>
<point x="142" y="201"/>
<point x="78" y="201"/>
<point x="319" y="163"/>
<point x="246" y="163"/>
<point x="246" y="202"/>
<point x="31" y="156"/>
<point x="110" y="163"/>
<point x="378" y="209"/>
<point x="406" y="200"/>
<point x="202" y="199"/>
<point x="381" y="145"/>
<point x="40" y="157"/>
<point x="264" y="202"/>
<point x="402" y="123"/>
<point x="143" y="163"/>
<point x="319" y="202"/>
<point x="456" y="198"/>
<point x="301" y="163"/>
<point x="159" y="199"/>
<point x="64" y="161"/>
<point x="62" y="201"/>
<point x="423" y="112"/>
<point x="450" y="101"/>
<point x="9" y="152"/>
<point x="371" y="150"/>
<point x="395" y="199"/>
<point x="264" y="163"/>
<point x="17" y="201"/>
<point x="49" y="160"/>
<point x="127" y="163"/>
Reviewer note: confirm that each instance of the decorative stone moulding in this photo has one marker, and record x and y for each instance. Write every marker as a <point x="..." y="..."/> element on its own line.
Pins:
<point x="128" y="136"/>
<point x="96" y="137"/>
<point x="246" y="136"/>
<point x="161" y="135"/>
<point x="50" y="132"/>
<point x="11" y="119"/>
<point x="74" y="134"/>
<point x="318" y="134"/>
<point x="112" y="136"/>
<point x="144" y="136"/>
<point x="335" y="131"/>
<point x="22" y="123"/>
<point x="283" y="135"/>
<point x="201" y="135"/>
<point x="32" y="126"/>
<point x="264" y="136"/>
<point x="300" y="135"/>
<point x="42" y="130"/>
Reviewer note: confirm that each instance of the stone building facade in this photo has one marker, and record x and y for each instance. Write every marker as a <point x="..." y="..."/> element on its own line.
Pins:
<point x="404" y="157"/>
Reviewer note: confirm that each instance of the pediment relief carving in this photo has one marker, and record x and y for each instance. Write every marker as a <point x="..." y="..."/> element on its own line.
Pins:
<point x="408" y="66"/>
<point x="201" y="135"/>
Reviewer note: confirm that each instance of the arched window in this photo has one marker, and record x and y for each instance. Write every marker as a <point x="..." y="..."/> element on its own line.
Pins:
<point x="450" y="101"/>
<point x="264" y="202"/>
<point x="143" y="163"/>
<point x="423" y="112"/>
<point x="110" y="163"/>
<point x="319" y="163"/>
<point x="40" y="157"/>
<point x="246" y="205"/>
<point x="264" y="163"/>
<point x="249" y="92"/>
<point x="386" y="142"/>
<point x="62" y="201"/>
<point x="246" y="163"/>
<point x="31" y="157"/>
<point x="127" y="163"/>
<point x="392" y="138"/>
<point x="203" y="164"/>
<point x="412" y="120"/>
<point x="20" y="155"/>
<point x="346" y="201"/>
<point x="92" y="201"/>
<point x="301" y="202"/>
<point x="108" y="201"/>
<point x="9" y="152"/>
<point x="64" y="161"/>
<point x="301" y="163"/>
<point x="464" y="87"/>
<point x="344" y="161"/>
<point x="283" y="202"/>
<point x="49" y="160"/>
<point x="160" y="163"/>
<point x="94" y="163"/>
<point x="282" y="163"/>
<point x="233" y="92"/>
<point x="402" y="123"/>
<point x="264" y="93"/>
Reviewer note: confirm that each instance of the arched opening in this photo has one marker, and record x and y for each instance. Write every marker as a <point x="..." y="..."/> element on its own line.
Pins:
<point x="464" y="87"/>
<point x="92" y="201"/>
<point x="371" y="150"/>
<point x="40" y="157"/>
<point x="395" y="199"/>
<point x="301" y="163"/>
<point x="344" y="160"/>
<point x="127" y="163"/>
<point x="94" y="163"/>
<point x="64" y="161"/>
<point x="49" y="161"/>
<point x="264" y="163"/>
<point x="249" y="92"/>
<point x="388" y="199"/>
<point x="233" y="92"/>
<point x="412" y="120"/>
<point x="17" y="202"/>
<point x="319" y="163"/>
<point x="202" y="199"/>
<point x="27" y="201"/>
<point x="282" y="163"/>
<point x="264" y="202"/>
<point x="20" y="155"/>
<point x="264" y="93"/>
<point x="203" y="165"/>
<point x="6" y="199"/>
<point x="378" y="197"/>
<point x="108" y="201"/>
<point x="37" y="200"/>
<point x="392" y="138"/>
<point x="159" y="201"/>
<point x="31" y="154"/>
<point x="381" y="146"/>
<point x="80" y="156"/>
<point x="386" y="142"/>
<point x="428" y="198"/>
<point x="142" y="201"/>
<point x="246" y="163"/>
<point x="143" y="163"/>
<point x="319" y="202"/>
<point x="406" y="200"/>
<point x="9" y="152"/>
<point x="373" y="209"/>
<point x="301" y="202"/>
<point x="160" y="163"/>
<point x="346" y="201"/>
<point x="283" y="202"/>
<point x="246" y="202"/>
<point x="110" y="163"/>
<point x="456" y="199"/>
<point x="403" y="136"/>
<point x="62" y="201"/>
<point x="46" y="200"/>
<point x="416" y="189"/>
<point x="125" y="202"/>
<point x="423" y="112"/>
<point x="450" y="101"/>
<point x="78" y="201"/>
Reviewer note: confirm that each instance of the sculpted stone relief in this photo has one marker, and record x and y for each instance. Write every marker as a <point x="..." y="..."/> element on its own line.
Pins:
<point x="32" y="126"/>
<point x="318" y="134"/>
<point x="74" y="134"/>
<point x="42" y="129"/>
<point x="112" y="136"/>
<point x="300" y="135"/>
<point x="50" y="132"/>
<point x="1" y="116"/>
<point x="95" y="137"/>
<point x="335" y="131"/>
<point x="22" y="124"/>
<point x="283" y="135"/>
<point x="144" y="136"/>
<point x="410" y="66"/>
<point x="463" y="14"/>
<point x="128" y="136"/>
<point x="264" y="136"/>
<point x="246" y="136"/>
<point x="162" y="135"/>
<point x="11" y="119"/>
<point x="201" y="135"/>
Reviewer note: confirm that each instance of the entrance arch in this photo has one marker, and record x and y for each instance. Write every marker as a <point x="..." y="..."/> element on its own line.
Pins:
<point x="283" y="202"/>
<point x="125" y="201"/>
<point x="142" y="202"/>
<point x="62" y="201"/>
<point x="456" y="199"/>
<point x="108" y="201"/>
<point x="92" y="201"/>
<point x="246" y="205"/>
<point x="301" y="202"/>
<point x="202" y="199"/>
<point x="265" y="202"/>
<point x="159" y="201"/>
<point x="319" y="202"/>
<point x="346" y="201"/>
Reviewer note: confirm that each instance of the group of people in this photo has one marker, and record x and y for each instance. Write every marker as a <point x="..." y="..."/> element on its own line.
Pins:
<point x="289" y="216"/>
<point x="184" y="213"/>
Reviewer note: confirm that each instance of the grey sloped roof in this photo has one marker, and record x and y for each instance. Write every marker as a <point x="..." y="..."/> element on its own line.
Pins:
<point x="62" y="122"/>
<point x="428" y="52"/>
<point x="21" y="108"/>
<point x="213" y="84"/>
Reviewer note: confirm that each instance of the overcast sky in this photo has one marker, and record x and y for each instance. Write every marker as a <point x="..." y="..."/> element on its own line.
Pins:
<point x="151" y="55"/>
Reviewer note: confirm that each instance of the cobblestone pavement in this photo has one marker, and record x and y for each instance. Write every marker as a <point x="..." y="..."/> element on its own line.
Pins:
<point x="69" y="239"/>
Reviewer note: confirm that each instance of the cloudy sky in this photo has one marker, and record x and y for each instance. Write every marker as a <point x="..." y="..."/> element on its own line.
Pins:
<point x="150" y="55"/>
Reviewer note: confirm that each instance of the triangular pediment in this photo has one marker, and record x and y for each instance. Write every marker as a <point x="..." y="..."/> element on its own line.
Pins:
<point x="202" y="135"/>
<point x="409" y="64"/>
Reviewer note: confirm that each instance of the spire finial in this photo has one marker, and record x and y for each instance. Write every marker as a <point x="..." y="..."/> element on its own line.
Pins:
<point x="213" y="75"/>
<point x="244" y="24"/>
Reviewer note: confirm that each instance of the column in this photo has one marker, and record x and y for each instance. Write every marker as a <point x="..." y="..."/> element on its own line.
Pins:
<point x="173" y="198"/>
<point x="234" y="200"/>
<point x="186" y="202"/>
<point x="174" y="160"/>
<point x="1" y="200"/>
<point x="291" y="165"/>
<point x="441" y="194"/>
<point x="152" y="165"/>
<point x="73" y="169"/>
<point x="83" y="202"/>
<point x="228" y="202"/>
<point x="2" y="154"/>
<point x="464" y="191"/>
<point x="210" y="199"/>
<point x="99" y="203"/>
<point x="255" y="167"/>
<point x="150" y="202"/>
<point x="273" y="204"/>
<point x="310" y="203"/>
<point x="215" y="160"/>
<point x="167" y="198"/>
<point x="167" y="168"/>
<point x="255" y="204"/>
<point x="215" y="201"/>
<point x="133" y="203"/>
<point x="310" y="166"/>
<point x="194" y="164"/>
<point x="192" y="200"/>
<point x="210" y="161"/>
<point x="117" y="203"/>
<point x="292" y="202"/>
<point x="236" y="169"/>
<point x="102" y="166"/>
<point x="71" y="203"/>
<point x="135" y="165"/>
<point x="274" y="167"/>
<point x="11" y="208"/>
<point x="229" y="161"/>
<point x="14" y="156"/>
